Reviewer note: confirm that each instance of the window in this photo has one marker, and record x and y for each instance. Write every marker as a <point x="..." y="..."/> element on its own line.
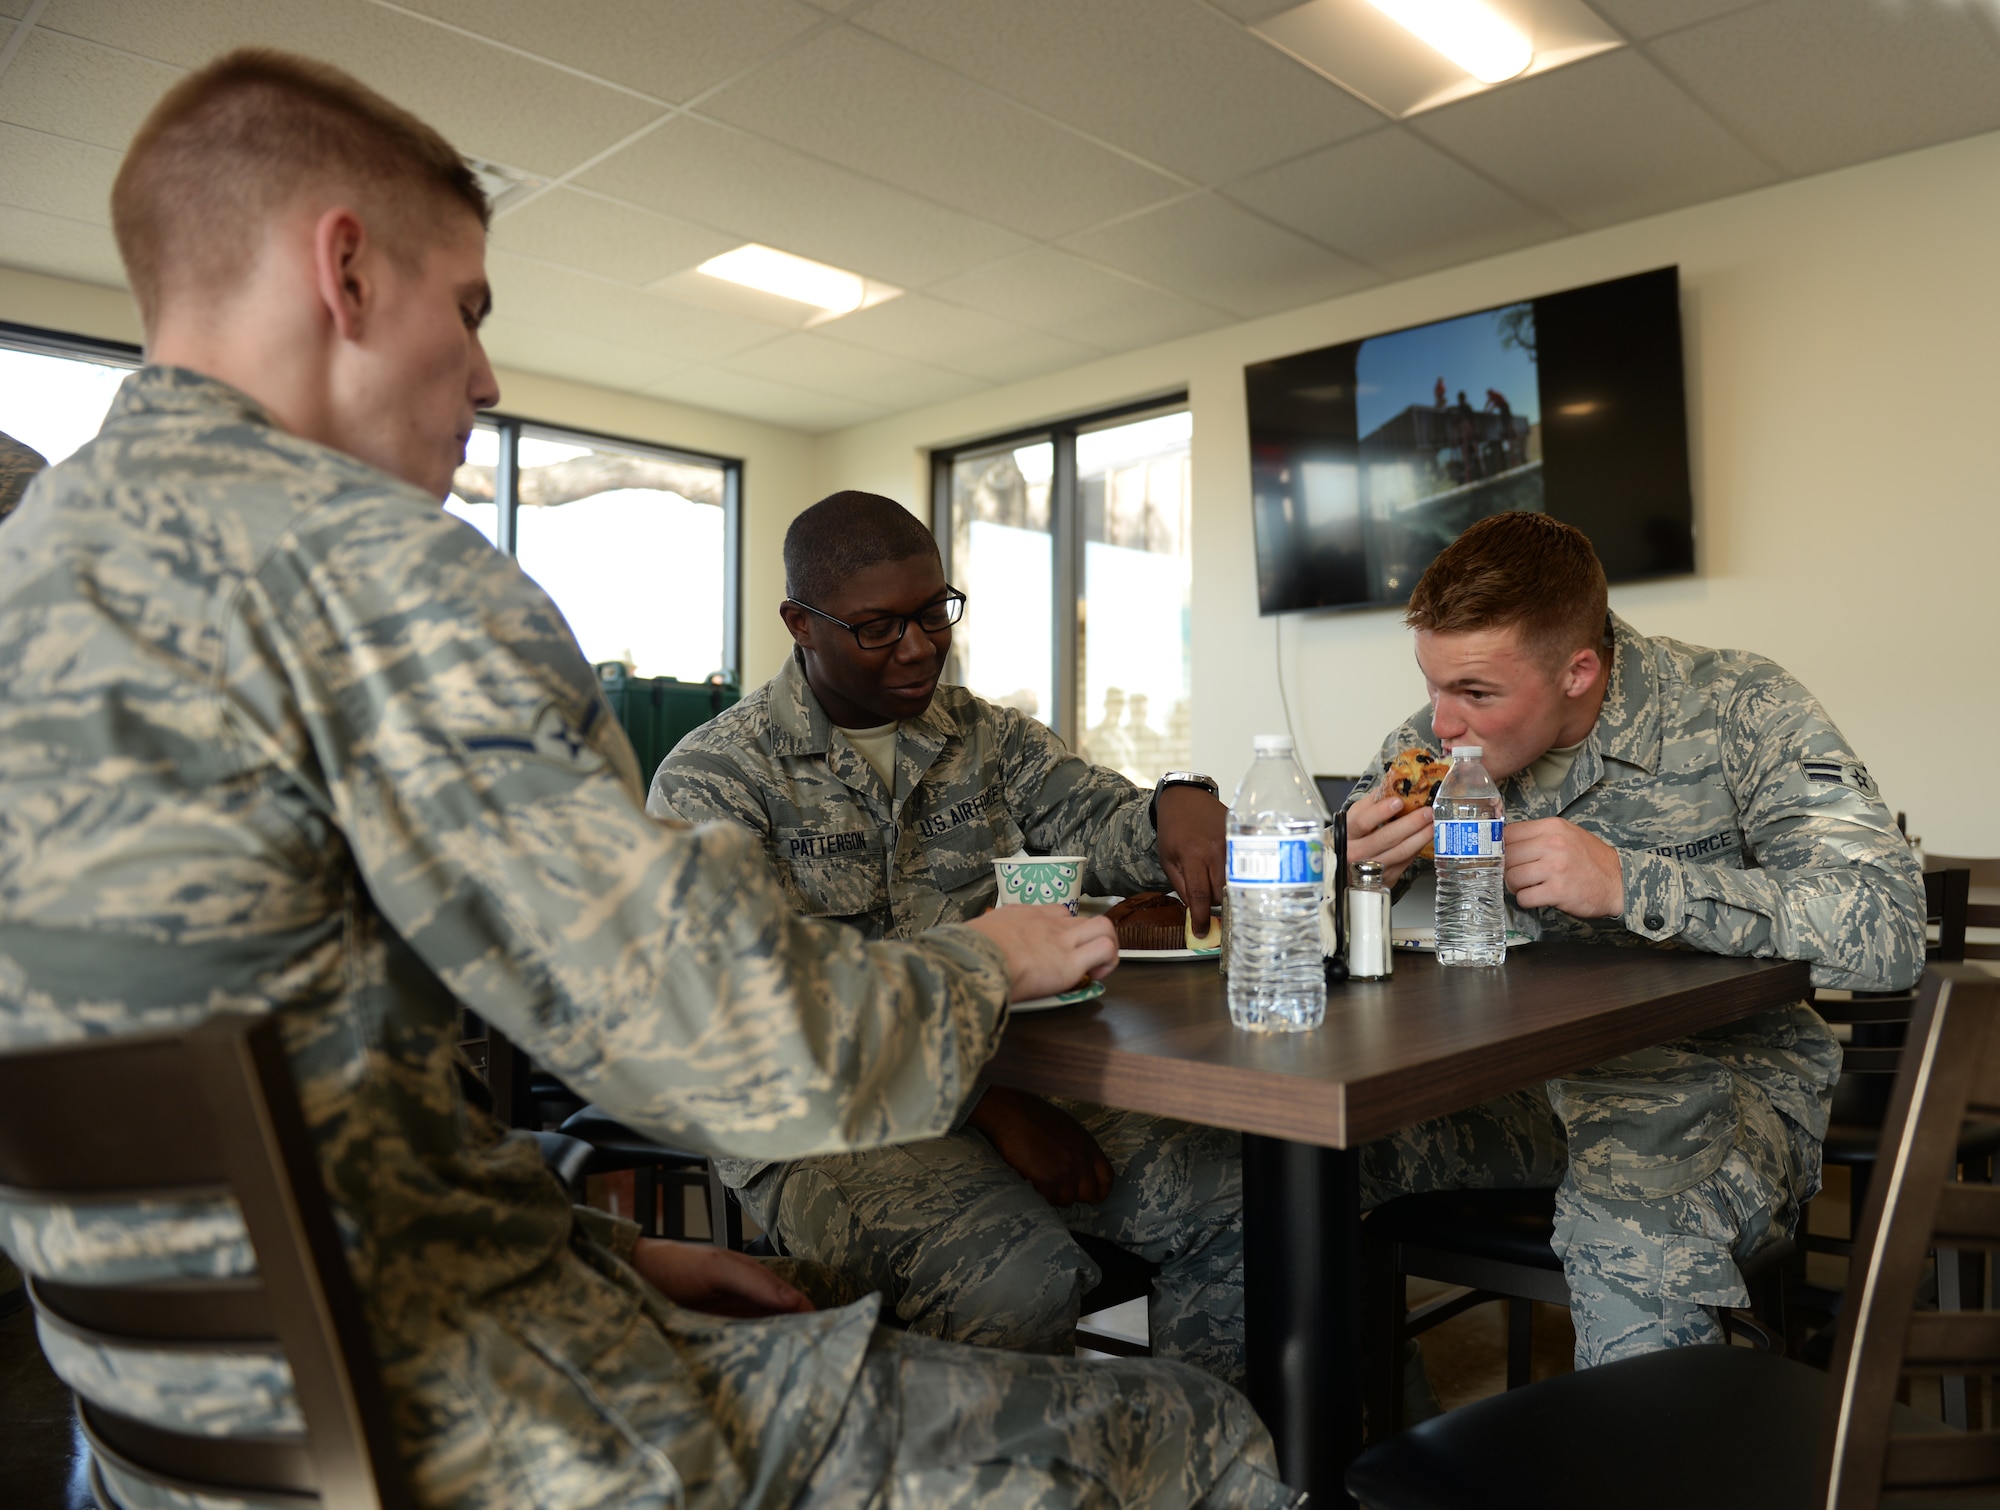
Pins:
<point x="1071" y="544"/>
<point x="637" y="544"/>
<point x="55" y="389"/>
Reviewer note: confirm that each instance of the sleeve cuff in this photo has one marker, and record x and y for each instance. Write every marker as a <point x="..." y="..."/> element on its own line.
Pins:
<point x="1655" y="895"/>
<point x="608" y="1231"/>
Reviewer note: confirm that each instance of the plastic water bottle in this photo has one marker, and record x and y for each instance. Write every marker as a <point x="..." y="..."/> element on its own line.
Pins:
<point x="1277" y="867"/>
<point x="1471" y="878"/>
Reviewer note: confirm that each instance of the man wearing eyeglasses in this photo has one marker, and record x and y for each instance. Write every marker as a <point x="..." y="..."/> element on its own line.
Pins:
<point x="882" y="798"/>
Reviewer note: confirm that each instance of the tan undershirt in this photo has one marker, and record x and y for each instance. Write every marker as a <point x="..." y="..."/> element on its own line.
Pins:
<point x="1550" y="770"/>
<point x="877" y="746"/>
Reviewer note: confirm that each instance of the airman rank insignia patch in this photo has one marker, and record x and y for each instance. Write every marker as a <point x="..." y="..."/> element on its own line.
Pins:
<point x="550" y="737"/>
<point x="1851" y="774"/>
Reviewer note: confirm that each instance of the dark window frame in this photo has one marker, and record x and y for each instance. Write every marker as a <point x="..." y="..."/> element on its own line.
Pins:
<point x="1065" y="528"/>
<point x="58" y="343"/>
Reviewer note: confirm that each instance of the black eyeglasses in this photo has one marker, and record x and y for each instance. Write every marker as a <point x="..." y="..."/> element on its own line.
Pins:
<point x="880" y="634"/>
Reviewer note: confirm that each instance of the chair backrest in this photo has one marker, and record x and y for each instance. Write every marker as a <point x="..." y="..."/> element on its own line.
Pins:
<point x="1984" y="910"/>
<point x="1881" y="1018"/>
<point x="209" y="1111"/>
<point x="1951" y="1067"/>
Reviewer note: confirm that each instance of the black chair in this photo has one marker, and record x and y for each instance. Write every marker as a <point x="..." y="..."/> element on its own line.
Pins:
<point x="1876" y="1024"/>
<point x="1124" y="1276"/>
<point x="1495" y="1245"/>
<point x="578" y="1140"/>
<point x="660" y="1176"/>
<point x="209" y="1111"/>
<point x="1983" y="876"/>
<point x="1725" y="1427"/>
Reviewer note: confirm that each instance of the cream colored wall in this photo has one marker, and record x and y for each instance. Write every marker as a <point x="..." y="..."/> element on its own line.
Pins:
<point x="778" y="464"/>
<point x="1842" y="336"/>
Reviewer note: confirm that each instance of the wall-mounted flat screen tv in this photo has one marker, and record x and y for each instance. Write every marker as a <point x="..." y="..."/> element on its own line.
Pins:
<point x="1368" y="458"/>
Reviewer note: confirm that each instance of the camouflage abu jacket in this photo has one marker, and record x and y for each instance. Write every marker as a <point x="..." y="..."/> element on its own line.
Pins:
<point x="1745" y="826"/>
<point x="974" y="783"/>
<point x="18" y="466"/>
<point x="278" y="734"/>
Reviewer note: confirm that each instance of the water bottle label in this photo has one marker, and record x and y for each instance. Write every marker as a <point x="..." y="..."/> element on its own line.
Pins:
<point x="1468" y="838"/>
<point x="1270" y="860"/>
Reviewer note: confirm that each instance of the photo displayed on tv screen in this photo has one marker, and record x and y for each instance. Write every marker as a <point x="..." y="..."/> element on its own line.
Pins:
<point x="1368" y="458"/>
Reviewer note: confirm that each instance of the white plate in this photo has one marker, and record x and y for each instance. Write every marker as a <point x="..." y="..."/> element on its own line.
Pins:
<point x="1070" y="998"/>
<point x="1160" y="956"/>
<point x="1424" y="940"/>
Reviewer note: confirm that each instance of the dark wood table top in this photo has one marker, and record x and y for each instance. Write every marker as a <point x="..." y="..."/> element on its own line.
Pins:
<point x="1391" y="1053"/>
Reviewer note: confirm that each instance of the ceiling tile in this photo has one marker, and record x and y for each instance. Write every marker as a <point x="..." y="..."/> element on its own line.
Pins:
<point x="868" y="377"/>
<point x="1650" y="18"/>
<point x="764" y="192"/>
<point x="857" y="101"/>
<point x="1396" y="203"/>
<point x="56" y="176"/>
<point x="1631" y="143"/>
<point x="573" y="355"/>
<point x="1818" y="84"/>
<point x="489" y="101"/>
<point x="755" y="398"/>
<point x="72" y="88"/>
<point x="609" y="239"/>
<point x="63" y="248"/>
<point x="672" y="49"/>
<point x="532" y="293"/>
<point x="1126" y="71"/>
<point x="1067" y="296"/>
<point x="964" y="340"/>
<point x="1211" y="250"/>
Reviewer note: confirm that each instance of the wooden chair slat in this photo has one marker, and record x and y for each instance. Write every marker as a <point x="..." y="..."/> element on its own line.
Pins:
<point x="1954" y="1341"/>
<point x="1941" y="1460"/>
<point x="1968" y="1215"/>
<point x="1863" y="1061"/>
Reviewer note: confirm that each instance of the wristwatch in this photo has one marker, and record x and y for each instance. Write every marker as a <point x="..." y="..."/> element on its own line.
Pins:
<point x="1179" y="778"/>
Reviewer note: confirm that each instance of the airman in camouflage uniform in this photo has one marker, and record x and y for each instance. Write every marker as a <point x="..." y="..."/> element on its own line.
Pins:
<point x="18" y="466"/>
<point x="958" y="1239"/>
<point x="1744" y="825"/>
<point x="277" y="734"/>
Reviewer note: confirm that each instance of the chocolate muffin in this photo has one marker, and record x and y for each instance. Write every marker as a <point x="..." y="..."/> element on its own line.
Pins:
<point x="1150" y="920"/>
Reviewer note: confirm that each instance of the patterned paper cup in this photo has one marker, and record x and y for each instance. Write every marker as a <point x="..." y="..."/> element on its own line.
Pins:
<point x="1039" y="880"/>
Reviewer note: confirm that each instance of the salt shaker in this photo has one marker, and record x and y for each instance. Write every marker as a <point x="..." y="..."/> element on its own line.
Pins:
<point x="1368" y="956"/>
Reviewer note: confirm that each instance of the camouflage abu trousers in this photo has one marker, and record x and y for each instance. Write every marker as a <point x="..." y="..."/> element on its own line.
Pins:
<point x="935" y="1426"/>
<point x="965" y="1249"/>
<point x="1669" y="1167"/>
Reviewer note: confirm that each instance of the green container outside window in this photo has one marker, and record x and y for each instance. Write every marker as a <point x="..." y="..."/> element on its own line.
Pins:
<point x="657" y="712"/>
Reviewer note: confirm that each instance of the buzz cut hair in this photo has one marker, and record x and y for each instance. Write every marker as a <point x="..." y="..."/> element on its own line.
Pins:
<point x="845" y="533"/>
<point x="1522" y="571"/>
<point x="240" y="141"/>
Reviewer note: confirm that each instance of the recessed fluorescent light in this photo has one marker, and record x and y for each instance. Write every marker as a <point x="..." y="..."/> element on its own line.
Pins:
<point x="832" y="289"/>
<point x="1467" y="32"/>
<point x="499" y="181"/>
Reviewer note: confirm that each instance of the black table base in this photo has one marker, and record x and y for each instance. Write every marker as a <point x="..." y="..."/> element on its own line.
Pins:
<point x="1301" y="1306"/>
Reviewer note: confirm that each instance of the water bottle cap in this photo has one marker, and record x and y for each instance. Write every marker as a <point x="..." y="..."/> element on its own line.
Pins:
<point x="1467" y="752"/>
<point x="1273" y="744"/>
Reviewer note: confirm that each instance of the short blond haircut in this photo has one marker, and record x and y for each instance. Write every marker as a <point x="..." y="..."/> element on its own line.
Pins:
<point x="1517" y="571"/>
<point x="236" y="143"/>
